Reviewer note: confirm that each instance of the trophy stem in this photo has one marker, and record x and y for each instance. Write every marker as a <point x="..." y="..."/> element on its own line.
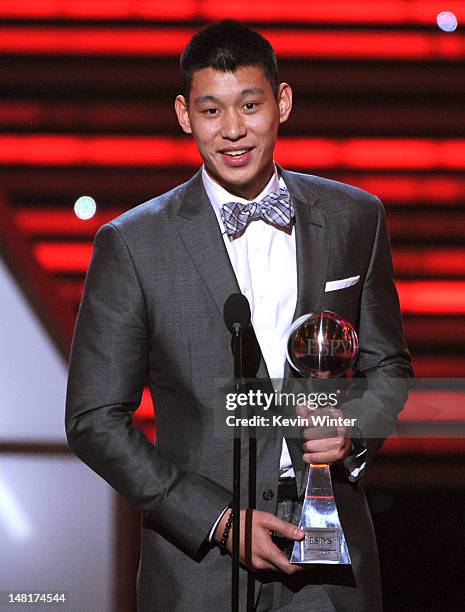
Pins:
<point x="324" y="540"/>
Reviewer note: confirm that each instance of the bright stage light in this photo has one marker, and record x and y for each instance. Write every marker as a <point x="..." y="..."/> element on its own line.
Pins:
<point x="447" y="21"/>
<point x="85" y="207"/>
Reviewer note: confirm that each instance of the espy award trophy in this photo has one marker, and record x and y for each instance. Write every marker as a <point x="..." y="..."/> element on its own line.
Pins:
<point x="321" y="345"/>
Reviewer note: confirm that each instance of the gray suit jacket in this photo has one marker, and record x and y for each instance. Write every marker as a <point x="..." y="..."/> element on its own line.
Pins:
<point x="152" y="314"/>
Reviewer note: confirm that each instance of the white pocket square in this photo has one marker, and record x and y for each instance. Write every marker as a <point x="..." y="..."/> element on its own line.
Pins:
<point x="342" y="283"/>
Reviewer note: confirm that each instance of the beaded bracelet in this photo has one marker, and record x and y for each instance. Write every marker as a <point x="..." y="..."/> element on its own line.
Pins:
<point x="225" y="536"/>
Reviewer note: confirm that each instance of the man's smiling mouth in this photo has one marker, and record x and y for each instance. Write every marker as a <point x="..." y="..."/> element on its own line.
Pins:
<point x="236" y="152"/>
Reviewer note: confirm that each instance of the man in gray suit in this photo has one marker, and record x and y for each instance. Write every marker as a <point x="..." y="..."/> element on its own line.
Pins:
<point x="152" y="315"/>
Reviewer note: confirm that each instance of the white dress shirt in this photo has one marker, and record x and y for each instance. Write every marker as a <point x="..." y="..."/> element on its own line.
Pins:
<point x="264" y="261"/>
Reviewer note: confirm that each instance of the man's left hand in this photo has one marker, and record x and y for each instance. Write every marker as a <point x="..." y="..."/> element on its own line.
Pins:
<point x="324" y="444"/>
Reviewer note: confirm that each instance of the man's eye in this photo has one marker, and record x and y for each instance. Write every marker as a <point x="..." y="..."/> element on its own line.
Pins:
<point x="211" y="111"/>
<point x="250" y="106"/>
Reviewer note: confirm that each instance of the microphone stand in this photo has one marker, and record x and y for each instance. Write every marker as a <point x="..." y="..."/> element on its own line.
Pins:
<point x="236" y="504"/>
<point x="252" y="506"/>
<point x="236" y="313"/>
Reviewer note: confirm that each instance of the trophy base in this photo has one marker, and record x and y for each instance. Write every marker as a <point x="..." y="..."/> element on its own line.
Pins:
<point x="324" y="540"/>
<point x="320" y="545"/>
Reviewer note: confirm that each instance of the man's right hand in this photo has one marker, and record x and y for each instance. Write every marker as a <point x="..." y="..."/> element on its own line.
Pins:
<point x="257" y="549"/>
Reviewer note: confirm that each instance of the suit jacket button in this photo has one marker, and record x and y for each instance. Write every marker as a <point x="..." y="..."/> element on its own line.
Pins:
<point x="268" y="494"/>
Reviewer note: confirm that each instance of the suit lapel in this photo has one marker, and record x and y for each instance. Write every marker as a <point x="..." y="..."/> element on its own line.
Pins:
<point x="312" y="247"/>
<point x="199" y="230"/>
<point x="312" y="257"/>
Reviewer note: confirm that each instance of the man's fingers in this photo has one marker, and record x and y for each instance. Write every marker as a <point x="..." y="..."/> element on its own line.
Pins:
<point x="322" y="423"/>
<point x="316" y="458"/>
<point x="302" y="411"/>
<point x="324" y="445"/>
<point x="280" y="562"/>
<point x="337" y="452"/>
<point x="261" y="564"/>
<point x="267" y="554"/>
<point x="287" y="530"/>
<point x="320" y="432"/>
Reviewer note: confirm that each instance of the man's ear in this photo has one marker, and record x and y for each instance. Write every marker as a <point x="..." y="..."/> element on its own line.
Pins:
<point x="180" y="106"/>
<point x="284" y="101"/>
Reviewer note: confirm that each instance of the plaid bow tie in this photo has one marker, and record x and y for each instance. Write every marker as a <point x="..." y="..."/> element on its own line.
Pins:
<point x="275" y="208"/>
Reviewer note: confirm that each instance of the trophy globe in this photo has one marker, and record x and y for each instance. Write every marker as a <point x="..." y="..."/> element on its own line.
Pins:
<point x="322" y="345"/>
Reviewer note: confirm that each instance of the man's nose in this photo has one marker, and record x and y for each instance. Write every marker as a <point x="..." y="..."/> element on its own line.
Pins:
<point x="233" y="126"/>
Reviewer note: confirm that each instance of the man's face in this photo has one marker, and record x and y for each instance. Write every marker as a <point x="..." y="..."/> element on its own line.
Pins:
<point x="234" y="119"/>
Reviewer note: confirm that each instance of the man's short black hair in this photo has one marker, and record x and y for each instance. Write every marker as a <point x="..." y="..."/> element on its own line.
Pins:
<point x="225" y="46"/>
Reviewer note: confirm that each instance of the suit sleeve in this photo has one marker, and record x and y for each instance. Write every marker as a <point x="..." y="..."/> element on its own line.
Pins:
<point x="384" y="360"/>
<point x="107" y="374"/>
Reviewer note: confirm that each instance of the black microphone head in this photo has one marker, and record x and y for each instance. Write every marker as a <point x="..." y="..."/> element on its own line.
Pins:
<point x="236" y="309"/>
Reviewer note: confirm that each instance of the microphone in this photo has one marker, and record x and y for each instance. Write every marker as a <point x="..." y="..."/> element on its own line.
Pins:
<point x="236" y="312"/>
